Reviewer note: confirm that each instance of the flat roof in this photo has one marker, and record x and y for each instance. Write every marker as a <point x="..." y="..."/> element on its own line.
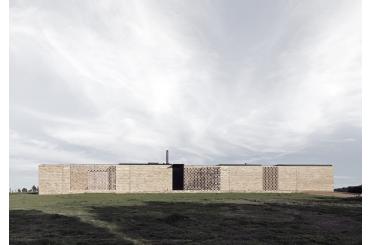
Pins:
<point x="239" y="164"/>
<point x="223" y="164"/>
<point x="147" y="163"/>
<point x="303" y="165"/>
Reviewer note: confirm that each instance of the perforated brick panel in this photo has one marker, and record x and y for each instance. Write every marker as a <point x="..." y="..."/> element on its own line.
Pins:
<point x="92" y="177"/>
<point x="102" y="178"/>
<point x="112" y="177"/>
<point x="202" y="178"/>
<point x="98" y="180"/>
<point x="270" y="178"/>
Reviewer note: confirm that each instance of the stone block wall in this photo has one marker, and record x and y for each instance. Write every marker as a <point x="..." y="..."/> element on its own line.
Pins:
<point x="294" y="178"/>
<point x="123" y="178"/>
<point x="143" y="178"/>
<point x="315" y="178"/>
<point x="241" y="178"/>
<point x="287" y="178"/>
<point x="54" y="179"/>
<point x="305" y="178"/>
<point x="80" y="178"/>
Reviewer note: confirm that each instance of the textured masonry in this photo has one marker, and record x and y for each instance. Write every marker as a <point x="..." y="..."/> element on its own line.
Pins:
<point x="128" y="178"/>
<point x="241" y="178"/>
<point x="270" y="178"/>
<point x="202" y="178"/>
<point x="143" y="178"/>
<point x="305" y="178"/>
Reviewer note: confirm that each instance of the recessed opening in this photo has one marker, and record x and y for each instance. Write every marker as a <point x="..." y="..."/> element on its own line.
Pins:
<point x="177" y="176"/>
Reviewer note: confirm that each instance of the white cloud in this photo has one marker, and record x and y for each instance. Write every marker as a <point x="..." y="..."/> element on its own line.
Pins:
<point x="123" y="81"/>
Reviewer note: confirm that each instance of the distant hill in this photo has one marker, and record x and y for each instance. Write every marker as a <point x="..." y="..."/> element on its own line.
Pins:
<point x="351" y="189"/>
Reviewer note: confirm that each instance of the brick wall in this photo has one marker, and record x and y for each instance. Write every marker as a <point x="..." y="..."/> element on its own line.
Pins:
<point x="287" y="178"/>
<point x="54" y="179"/>
<point x="79" y="178"/>
<point x="305" y="178"/>
<point x="143" y="178"/>
<point x="290" y="178"/>
<point x="315" y="178"/>
<point x="241" y="178"/>
<point x="65" y="178"/>
<point x="80" y="174"/>
<point x="225" y="178"/>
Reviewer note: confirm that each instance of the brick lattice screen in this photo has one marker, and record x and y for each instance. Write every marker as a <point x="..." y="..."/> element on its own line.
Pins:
<point x="270" y="178"/>
<point x="202" y="178"/>
<point x="92" y="177"/>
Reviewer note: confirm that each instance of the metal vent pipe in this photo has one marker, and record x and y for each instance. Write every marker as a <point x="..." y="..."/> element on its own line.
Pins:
<point x="166" y="157"/>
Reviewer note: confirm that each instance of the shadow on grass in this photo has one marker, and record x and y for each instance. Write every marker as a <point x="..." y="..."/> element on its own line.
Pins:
<point x="36" y="227"/>
<point x="215" y="223"/>
<point x="195" y="223"/>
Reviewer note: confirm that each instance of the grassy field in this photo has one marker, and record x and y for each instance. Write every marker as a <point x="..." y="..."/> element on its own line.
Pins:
<point x="191" y="218"/>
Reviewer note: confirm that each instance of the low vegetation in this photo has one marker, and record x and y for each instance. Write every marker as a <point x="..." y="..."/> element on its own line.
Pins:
<point x="191" y="218"/>
<point x="351" y="189"/>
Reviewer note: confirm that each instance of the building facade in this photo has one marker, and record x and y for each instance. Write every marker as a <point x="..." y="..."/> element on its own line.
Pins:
<point x="132" y="178"/>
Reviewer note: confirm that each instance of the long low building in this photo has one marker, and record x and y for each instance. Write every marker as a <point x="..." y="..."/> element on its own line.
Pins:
<point x="153" y="177"/>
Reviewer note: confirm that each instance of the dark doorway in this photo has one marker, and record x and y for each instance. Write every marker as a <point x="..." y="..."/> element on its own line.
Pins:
<point x="177" y="176"/>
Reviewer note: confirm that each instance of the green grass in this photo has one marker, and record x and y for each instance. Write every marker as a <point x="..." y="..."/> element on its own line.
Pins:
<point x="184" y="218"/>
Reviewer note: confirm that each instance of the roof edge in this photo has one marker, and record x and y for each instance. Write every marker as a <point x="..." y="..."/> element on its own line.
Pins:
<point x="299" y="165"/>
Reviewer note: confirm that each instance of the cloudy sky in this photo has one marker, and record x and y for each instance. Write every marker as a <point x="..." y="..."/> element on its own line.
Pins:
<point x="213" y="81"/>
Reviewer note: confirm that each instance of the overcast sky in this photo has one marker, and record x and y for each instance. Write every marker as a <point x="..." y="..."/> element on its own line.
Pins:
<point x="213" y="81"/>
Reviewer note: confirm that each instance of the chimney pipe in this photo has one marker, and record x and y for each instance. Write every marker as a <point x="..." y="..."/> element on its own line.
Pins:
<point x="166" y="157"/>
